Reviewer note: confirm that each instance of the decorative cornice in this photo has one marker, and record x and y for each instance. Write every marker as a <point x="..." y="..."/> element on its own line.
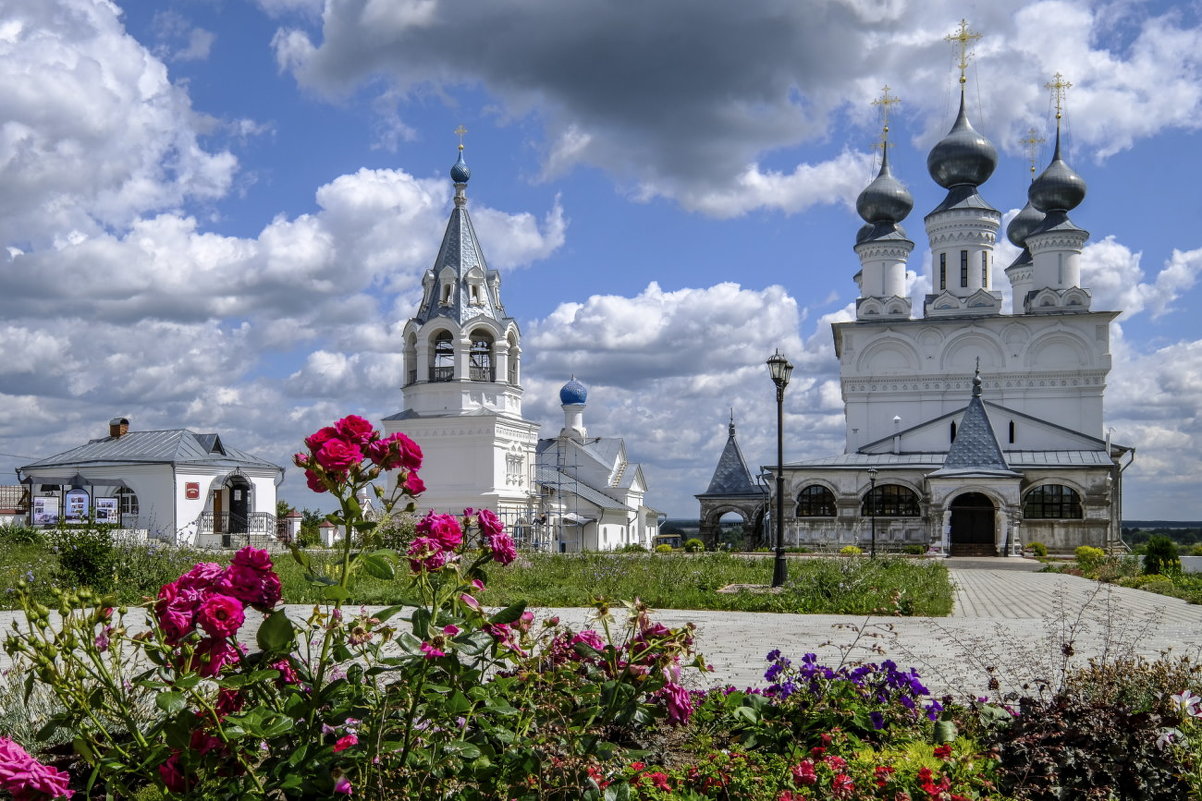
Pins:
<point x="1014" y="380"/>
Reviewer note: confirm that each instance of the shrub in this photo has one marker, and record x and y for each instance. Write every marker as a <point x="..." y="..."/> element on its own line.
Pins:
<point x="1160" y="556"/>
<point x="693" y="545"/>
<point x="1079" y="747"/>
<point x="850" y="550"/>
<point x="16" y="534"/>
<point x="663" y="548"/>
<point x="1196" y="550"/>
<point x="632" y="547"/>
<point x="1038" y="548"/>
<point x="915" y="550"/>
<point x="87" y="555"/>
<point x="1089" y="558"/>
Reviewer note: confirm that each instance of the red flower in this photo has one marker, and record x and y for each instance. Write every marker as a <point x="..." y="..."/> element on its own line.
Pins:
<point x="881" y="774"/>
<point x="355" y="429"/>
<point x="318" y="438"/>
<point x="658" y="779"/>
<point x="345" y="742"/>
<point x="804" y="772"/>
<point x="414" y="484"/>
<point x="842" y="786"/>
<point x="944" y="751"/>
<point x="337" y="456"/>
<point x="220" y="615"/>
<point x="442" y="528"/>
<point x="395" y="451"/>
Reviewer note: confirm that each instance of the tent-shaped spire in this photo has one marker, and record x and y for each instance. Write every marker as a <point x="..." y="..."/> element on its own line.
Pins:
<point x="975" y="448"/>
<point x="731" y="477"/>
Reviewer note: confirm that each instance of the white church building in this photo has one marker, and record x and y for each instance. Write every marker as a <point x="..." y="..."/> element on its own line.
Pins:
<point x="463" y="405"/>
<point x="970" y="428"/>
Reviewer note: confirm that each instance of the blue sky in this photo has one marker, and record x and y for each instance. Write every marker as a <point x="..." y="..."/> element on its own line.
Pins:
<point x="217" y="212"/>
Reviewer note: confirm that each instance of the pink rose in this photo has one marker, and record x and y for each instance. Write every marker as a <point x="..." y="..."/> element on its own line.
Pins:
<point x="503" y="549"/>
<point x="590" y="638"/>
<point x="301" y="459"/>
<point x="172" y="775"/>
<point x="229" y="702"/>
<point x="354" y="428"/>
<point x="315" y="482"/>
<point x="431" y="652"/>
<point x="490" y="524"/>
<point x="678" y="703"/>
<point x="337" y="456"/>
<point x="318" y="438"/>
<point x="426" y="554"/>
<point x="250" y="586"/>
<point x="345" y="742"/>
<point x="442" y="528"/>
<point x="288" y="674"/>
<point x="202" y="576"/>
<point x="221" y="615"/>
<point x="28" y="779"/>
<point x="394" y="451"/>
<point x="254" y="558"/>
<point x="212" y="655"/>
<point x="413" y="484"/>
<point x="343" y="787"/>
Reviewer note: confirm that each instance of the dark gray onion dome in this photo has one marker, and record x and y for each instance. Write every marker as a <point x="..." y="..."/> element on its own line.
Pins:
<point x="1057" y="188"/>
<point x="1023" y="224"/>
<point x="880" y="230"/>
<point x="963" y="156"/>
<point x="886" y="199"/>
<point x="460" y="173"/>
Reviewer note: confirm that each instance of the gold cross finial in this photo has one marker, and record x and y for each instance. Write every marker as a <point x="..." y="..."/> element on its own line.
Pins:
<point x="885" y="101"/>
<point x="1058" y="85"/>
<point x="1031" y="143"/>
<point x="460" y="131"/>
<point x="963" y="38"/>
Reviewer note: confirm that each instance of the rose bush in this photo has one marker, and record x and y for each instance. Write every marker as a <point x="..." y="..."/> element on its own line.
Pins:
<point x="433" y="697"/>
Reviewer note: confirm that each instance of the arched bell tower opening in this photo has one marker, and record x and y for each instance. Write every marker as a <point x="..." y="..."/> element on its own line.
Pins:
<point x="973" y="525"/>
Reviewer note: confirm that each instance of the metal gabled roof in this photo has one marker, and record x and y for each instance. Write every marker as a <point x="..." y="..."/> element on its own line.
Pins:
<point x="548" y="476"/>
<point x="975" y="448"/>
<point x="176" y="446"/>
<point x="731" y="476"/>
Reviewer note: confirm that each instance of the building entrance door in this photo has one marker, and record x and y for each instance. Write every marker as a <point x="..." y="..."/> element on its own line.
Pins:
<point x="973" y="517"/>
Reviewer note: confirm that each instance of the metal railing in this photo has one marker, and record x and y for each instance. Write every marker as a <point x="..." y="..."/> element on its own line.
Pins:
<point x="237" y="531"/>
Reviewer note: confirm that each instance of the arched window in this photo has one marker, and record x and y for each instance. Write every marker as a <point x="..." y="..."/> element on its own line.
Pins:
<point x="1052" y="502"/>
<point x="410" y="359"/>
<point x="481" y="368"/>
<point x="953" y="432"/>
<point x="816" y="501"/>
<point x="127" y="501"/>
<point x="890" y="500"/>
<point x="442" y="357"/>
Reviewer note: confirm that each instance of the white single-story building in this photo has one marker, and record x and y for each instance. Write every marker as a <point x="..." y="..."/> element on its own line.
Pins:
<point x="174" y="485"/>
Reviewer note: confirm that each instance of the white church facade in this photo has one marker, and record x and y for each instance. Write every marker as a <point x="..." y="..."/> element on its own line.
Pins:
<point x="971" y="428"/>
<point x="463" y="406"/>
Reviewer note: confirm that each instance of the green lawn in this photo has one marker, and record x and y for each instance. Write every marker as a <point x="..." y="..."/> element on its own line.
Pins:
<point x="830" y="585"/>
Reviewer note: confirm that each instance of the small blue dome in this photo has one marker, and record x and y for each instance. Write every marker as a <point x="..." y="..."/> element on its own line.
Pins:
<point x="573" y="393"/>
<point x="460" y="173"/>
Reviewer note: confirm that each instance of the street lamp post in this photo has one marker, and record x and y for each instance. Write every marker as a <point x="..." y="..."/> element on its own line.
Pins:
<point x="872" y="508"/>
<point x="780" y="370"/>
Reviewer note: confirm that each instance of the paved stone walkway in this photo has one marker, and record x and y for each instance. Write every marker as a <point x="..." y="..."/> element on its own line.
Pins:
<point x="1009" y="623"/>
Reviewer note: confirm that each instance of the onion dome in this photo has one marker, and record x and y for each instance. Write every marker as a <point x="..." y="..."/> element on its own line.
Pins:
<point x="886" y="199"/>
<point x="1023" y="225"/>
<point x="963" y="156"/>
<point x="573" y="393"/>
<point x="1057" y="188"/>
<point x="460" y="173"/>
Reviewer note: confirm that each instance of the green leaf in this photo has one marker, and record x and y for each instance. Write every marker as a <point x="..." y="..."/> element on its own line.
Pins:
<point x="378" y="566"/>
<point x="335" y="592"/>
<point x="421" y="623"/>
<point x="170" y="702"/>
<point x="317" y="578"/>
<point x="509" y="613"/>
<point x="301" y="556"/>
<point x="365" y="525"/>
<point x="276" y="633"/>
<point x="457" y="704"/>
<point x="462" y="749"/>
<point x="385" y="614"/>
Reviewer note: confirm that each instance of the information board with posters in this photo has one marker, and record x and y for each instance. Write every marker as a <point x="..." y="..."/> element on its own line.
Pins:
<point x="45" y="510"/>
<point x="105" y="510"/>
<point x="76" y="502"/>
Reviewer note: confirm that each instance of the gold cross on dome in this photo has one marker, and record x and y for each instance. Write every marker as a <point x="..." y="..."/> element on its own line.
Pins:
<point x="963" y="38"/>
<point x="1058" y="85"/>
<point x="460" y="131"/>
<point x="1031" y="143"/>
<point x="885" y="101"/>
